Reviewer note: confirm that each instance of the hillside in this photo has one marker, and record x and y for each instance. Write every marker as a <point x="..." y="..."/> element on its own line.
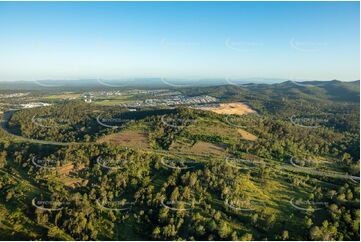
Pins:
<point x="83" y="171"/>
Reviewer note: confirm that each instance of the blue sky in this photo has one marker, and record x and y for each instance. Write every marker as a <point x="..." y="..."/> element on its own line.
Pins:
<point x="285" y="40"/>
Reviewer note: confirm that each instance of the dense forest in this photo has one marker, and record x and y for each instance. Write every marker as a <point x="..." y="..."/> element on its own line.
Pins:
<point x="286" y="172"/>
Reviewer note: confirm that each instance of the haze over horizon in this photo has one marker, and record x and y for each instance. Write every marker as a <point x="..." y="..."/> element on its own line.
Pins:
<point x="241" y="40"/>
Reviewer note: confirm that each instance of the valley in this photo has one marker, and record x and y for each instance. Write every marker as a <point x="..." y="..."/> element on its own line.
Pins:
<point x="238" y="169"/>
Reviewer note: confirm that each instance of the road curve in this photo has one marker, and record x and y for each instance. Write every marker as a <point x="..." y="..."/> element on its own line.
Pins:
<point x="7" y="115"/>
<point x="4" y="125"/>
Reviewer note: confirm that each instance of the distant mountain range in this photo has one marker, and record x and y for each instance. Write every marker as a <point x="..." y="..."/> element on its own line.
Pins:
<point x="161" y="83"/>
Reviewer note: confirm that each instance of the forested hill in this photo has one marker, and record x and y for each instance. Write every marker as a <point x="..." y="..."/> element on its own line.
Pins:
<point x="83" y="171"/>
<point x="311" y="90"/>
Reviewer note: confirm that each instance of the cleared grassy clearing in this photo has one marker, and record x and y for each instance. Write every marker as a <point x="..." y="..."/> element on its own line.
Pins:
<point x="72" y="181"/>
<point x="63" y="96"/>
<point x="112" y="100"/>
<point x="128" y="138"/>
<point x="199" y="148"/>
<point x="211" y="128"/>
<point x="207" y="148"/>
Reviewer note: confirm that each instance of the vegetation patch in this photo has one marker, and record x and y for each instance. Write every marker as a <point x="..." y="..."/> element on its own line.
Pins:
<point x="207" y="148"/>
<point x="127" y="138"/>
<point x="62" y="96"/>
<point x="214" y="128"/>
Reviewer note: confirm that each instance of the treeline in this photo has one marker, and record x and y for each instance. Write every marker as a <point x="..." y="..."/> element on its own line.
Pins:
<point x="143" y="198"/>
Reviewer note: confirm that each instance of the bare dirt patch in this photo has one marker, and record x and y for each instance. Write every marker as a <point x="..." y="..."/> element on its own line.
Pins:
<point x="65" y="169"/>
<point x="72" y="182"/>
<point x="207" y="148"/>
<point x="128" y="138"/>
<point x="67" y="174"/>
<point x="199" y="148"/>
<point x="246" y="135"/>
<point x="69" y="168"/>
<point x="236" y="108"/>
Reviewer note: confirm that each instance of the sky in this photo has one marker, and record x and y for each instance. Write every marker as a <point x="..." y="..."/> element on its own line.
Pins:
<point x="115" y="40"/>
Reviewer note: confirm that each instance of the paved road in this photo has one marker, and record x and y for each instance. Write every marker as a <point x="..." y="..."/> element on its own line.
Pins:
<point x="4" y="125"/>
<point x="319" y="173"/>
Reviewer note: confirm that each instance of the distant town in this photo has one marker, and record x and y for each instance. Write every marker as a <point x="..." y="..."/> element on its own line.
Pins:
<point x="161" y="97"/>
<point x="134" y="98"/>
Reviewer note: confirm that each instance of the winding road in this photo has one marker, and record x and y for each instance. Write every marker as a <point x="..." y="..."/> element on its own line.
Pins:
<point x="4" y="125"/>
<point x="7" y="115"/>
